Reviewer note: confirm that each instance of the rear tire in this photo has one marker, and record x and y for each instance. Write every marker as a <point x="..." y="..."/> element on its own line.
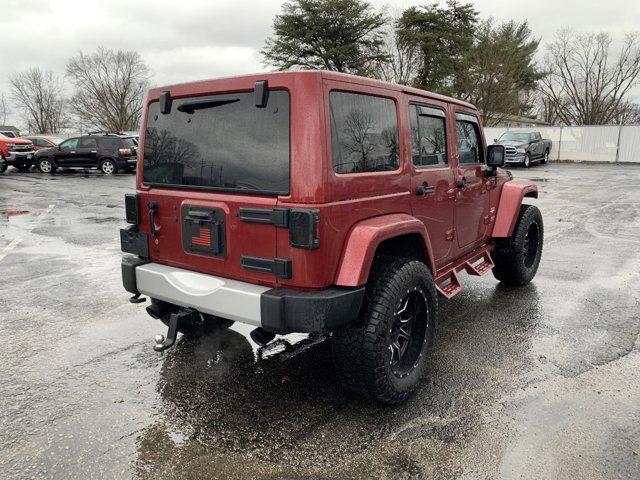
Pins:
<point x="383" y="355"/>
<point x="517" y="258"/>
<point x="545" y="159"/>
<point x="46" y="165"/>
<point x="108" y="167"/>
<point x="3" y="168"/>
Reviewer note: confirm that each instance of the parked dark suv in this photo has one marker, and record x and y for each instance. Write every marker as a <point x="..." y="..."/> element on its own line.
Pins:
<point x="106" y="152"/>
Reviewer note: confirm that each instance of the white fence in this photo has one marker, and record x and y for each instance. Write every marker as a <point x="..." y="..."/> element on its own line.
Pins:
<point x="616" y="144"/>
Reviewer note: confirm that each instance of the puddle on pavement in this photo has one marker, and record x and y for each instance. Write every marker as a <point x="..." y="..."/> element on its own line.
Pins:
<point x="539" y="179"/>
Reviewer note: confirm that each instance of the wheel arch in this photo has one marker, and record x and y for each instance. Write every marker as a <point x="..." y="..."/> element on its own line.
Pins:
<point x="386" y="234"/>
<point x="509" y="207"/>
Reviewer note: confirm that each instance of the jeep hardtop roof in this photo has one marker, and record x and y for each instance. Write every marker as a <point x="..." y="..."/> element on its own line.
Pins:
<point x="201" y="85"/>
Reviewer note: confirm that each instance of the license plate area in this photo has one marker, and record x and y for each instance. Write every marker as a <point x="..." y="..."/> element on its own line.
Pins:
<point x="203" y="230"/>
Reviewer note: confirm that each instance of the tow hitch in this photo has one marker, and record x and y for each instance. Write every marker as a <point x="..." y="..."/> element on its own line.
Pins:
<point x="175" y="320"/>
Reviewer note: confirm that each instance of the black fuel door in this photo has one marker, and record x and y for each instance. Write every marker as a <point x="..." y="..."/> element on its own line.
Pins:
<point x="203" y="230"/>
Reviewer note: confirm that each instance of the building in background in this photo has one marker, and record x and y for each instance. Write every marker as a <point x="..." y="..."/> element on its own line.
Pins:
<point x="9" y="131"/>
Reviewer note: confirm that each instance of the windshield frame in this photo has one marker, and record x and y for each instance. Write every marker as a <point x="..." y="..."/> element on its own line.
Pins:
<point x="208" y="188"/>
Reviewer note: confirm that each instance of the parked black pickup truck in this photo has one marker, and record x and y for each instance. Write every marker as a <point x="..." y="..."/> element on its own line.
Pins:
<point x="525" y="147"/>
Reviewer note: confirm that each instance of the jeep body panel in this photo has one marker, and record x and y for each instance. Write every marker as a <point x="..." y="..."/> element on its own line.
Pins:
<point x="364" y="238"/>
<point x="341" y="200"/>
<point x="509" y="207"/>
<point x="452" y="206"/>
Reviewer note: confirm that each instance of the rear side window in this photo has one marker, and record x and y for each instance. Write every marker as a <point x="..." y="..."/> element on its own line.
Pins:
<point x="469" y="145"/>
<point x="128" y="143"/>
<point x="88" y="143"/>
<point x="364" y="133"/>
<point x="428" y="134"/>
<point x="110" y="143"/>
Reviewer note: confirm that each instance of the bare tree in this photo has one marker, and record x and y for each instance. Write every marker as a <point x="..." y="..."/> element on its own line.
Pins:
<point x="585" y="85"/>
<point x="110" y="88"/>
<point x="4" y="109"/>
<point x="629" y="114"/>
<point x="38" y="96"/>
<point x="403" y="59"/>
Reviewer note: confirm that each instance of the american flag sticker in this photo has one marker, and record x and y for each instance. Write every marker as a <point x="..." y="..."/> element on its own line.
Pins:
<point x="203" y="239"/>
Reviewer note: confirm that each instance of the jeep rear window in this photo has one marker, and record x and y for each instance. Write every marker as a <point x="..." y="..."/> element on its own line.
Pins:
<point x="220" y="142"/>
<point x="364" y="133"/>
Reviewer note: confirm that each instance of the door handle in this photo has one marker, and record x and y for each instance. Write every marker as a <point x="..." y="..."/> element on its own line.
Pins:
<point x="72" y="151"/>
<point x="153" y="209"/>
<point x="94" y="151"/>
<point x="462" y="183"/>
<point x="422" y="190"/>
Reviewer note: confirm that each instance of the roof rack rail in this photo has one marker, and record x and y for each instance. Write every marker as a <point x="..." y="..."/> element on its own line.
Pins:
<point x="105" y="133"/>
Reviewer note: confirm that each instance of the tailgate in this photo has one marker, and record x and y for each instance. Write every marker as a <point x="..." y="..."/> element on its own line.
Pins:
<point x="212" y="233"/>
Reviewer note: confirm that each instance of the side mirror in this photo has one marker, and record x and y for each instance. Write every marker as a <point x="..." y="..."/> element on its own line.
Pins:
<point x="495" y="155"/>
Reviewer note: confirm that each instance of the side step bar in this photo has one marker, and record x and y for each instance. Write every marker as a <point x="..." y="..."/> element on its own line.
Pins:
<point x="476" y="263"/>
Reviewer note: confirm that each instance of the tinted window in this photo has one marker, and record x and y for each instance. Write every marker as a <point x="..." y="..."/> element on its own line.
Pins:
<point x="69" y="144"/>
<point x="88" y="143"/>
<point x="127" y="143"/>
<point x="110" y="143"/>
<point x="220" y="141"/>
<point x="469" y="145"/>
<point x="429" y="139"/>
<point x="364" y="133"/>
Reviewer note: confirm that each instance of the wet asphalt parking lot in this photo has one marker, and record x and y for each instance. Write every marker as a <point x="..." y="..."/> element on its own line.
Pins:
<point x="537" y="382"/>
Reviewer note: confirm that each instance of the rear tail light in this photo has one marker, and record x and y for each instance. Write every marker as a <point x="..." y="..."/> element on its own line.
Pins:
<point x="132" y="208"/>
<point x="125" y="151"/>
<point x="303" y="228"/>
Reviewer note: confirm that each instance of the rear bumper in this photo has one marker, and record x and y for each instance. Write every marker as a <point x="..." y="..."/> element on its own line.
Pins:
<point x="127" y="162"/>
<point x="20" y="158"/>
<point x="278" y="310"/>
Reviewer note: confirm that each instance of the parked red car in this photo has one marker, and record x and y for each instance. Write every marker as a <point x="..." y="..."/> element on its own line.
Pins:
<point x="319" y="201"/>
<point x="16" y="152"/>
<point x="43" y="141"/>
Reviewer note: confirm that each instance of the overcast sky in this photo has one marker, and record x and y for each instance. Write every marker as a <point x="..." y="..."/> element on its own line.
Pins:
<point x="184" y="40"/>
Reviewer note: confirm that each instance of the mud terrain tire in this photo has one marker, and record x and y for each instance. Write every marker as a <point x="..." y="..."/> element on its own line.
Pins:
<point x="517" y="258"/>
<point x="367" y="353"/>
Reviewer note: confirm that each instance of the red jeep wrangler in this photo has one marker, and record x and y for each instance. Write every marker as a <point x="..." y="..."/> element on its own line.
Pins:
<point x="318" y="201"/>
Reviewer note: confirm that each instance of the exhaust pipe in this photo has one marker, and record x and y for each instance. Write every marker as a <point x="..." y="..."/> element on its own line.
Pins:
<point x="261" y="337"/>
<point x="158" y="309"/>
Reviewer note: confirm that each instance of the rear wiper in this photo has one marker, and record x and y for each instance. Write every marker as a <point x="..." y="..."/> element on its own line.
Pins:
<point x="190" y="107"/>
